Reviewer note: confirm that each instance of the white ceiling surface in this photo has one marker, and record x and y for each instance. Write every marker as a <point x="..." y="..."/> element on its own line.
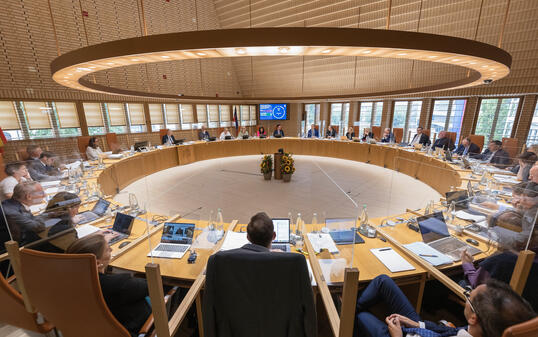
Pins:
<point x="28" y="45"/>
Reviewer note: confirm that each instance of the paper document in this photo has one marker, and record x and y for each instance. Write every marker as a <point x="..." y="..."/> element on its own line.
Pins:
<point x="234" y="240"/>
<point x="391" y="259"/>
<point x="115" y="156"/>
<point x="505" y="179"/>
<point x="467" y="216"/>
<point x="431" y="255"/>
<point x="46" y="184"/>
<point x="321" y="241"/>
<point x="38" y="208"/>
<point x="52" y="190"/>
<point x="74" y="165"/>
<point x="86" y="230"/>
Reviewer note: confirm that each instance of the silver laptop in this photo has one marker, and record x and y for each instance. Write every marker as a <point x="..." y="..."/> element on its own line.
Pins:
<point x="435" y="234"/>
<point x="175" y="240"/>
<point x="282" y="238"/>
<point x="98" y="211"/>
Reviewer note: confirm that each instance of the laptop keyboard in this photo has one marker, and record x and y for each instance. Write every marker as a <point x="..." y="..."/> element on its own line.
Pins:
<point x="282" y="247"/>
<point x="87" y="217"/>
<point x="117" y="238"/>
<point x="171" y="248"/>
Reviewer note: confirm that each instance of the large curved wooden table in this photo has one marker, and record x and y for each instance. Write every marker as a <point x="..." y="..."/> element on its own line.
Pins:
<point x="438" y="174"/>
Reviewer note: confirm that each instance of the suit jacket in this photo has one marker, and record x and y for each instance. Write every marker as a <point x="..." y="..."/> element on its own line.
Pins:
<point x="424" y="139"/>
<point x="500" y="158"/>
<point x="41" y="172"/>
<point x="316" y="133"/>
<point x="203" y="135"/>
<point x="388" y="139"/>
<point x="125" y="296"/>
<point x="350" y="135"/>
<point x="369" y="135"/>
<point x="252" y="292"/>
<point x="444" y="143"/>
<point x="22" y="223"/>
<point x="473" y="149"/>
<point x="165" y="139"/>
<point x="276" y="133"/>
<point x="330" y="133"/>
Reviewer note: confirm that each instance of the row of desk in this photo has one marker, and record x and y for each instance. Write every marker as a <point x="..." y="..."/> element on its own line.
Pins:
<point x="436" y="173"/>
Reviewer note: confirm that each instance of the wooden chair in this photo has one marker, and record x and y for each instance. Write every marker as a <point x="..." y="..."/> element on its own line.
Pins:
<point x="376" y="130"/>
<point x="452" y="135"/>
<point x="65" y="288"/>
<point x="82" y="142"/>
<point x="398" y="134"/>
<point x="112" y="141"/>
<point x="426" y="132"/>
<point x="13" y="311"/>
<point x="478" y="140"/>
<point x="525" y="329"/>
<point x="22" y="155"/>
<point x="510" y="146"/>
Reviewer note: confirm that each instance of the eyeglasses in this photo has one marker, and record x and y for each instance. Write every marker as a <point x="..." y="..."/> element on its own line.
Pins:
<point x="467" y="294"/>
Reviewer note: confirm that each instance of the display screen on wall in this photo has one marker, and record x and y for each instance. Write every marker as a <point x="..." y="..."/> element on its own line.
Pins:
<point x="273" y="111"/>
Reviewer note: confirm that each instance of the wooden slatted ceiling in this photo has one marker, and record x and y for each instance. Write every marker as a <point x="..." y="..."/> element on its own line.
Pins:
<point x="28" y="46"/>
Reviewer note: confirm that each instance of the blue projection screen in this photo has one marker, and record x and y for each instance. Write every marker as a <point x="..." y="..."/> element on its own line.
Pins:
<point x="270" y="112"/>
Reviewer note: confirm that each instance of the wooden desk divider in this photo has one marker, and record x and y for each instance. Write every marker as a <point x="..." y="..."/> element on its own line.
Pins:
<point x="522" y="270"/>
<point x="341" y="326"/>
<point x="163" y="326"/>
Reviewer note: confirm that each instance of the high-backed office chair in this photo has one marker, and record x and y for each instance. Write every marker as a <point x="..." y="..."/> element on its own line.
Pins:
<point x="112" y="141"/>
<point x="510" y="146"/>
<point x="65" y="289"/>
<point x="452" y="136"/>
<point x="274" y="291"/>
<point x="376" y="130"/>
<point x="426" y="132"/>
<point x="22" y="155"/>
<point x="82" y="142"/>
<point x="398" y="134"/>
<point x="478" y="140"/>
<point x="13" y="311"/>
<point x="356" y="130"/>
<point x="2" y="167"/>
<point x="525" y="329"/>
<point x="336" y="128"/>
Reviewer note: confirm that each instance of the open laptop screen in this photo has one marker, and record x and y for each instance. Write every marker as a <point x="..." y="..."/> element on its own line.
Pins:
<point x="174" y="232"/>
<point x="460" y="198"/>
<point x="123" y="223"/>
<point x="100" y="207"/>
<point x="432" y="227"/>
<point x="282" y="230"/>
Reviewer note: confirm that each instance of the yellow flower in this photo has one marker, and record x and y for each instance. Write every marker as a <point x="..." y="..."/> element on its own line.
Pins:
<point x="287" y="169"/>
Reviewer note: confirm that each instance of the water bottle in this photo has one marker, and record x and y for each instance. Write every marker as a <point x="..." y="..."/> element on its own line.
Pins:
<point x="133" y="202"/>
<point x="212" y="233"/>
<point x="315" y="221"/>
<point x="364" y="217"/>
<point x="299" y="232"/>
<point x="220" y="224"/>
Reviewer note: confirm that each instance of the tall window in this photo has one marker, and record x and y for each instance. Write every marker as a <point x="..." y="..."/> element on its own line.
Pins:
<point x="38" y="119"/>
<point x="448" y="116"/>
<point x="244" y="115"/>
<point x="496" y="118"/>
<point x="137" y="118"/>
<point x="370" y="115"/>
<point x="156" y="116"/>
<point x="67" y="119"/>
<point x="340" y="116"/>
<point x="172" y="116"/>
<point x="94" y="118"/>
<point x="311" y="116"/>
<point x="10" y="123"/>
<point x="201" y="113"/>
<point x="406" y="116"/>
<point x="187" y="116"/>
<point x="213" y="115"/>
<point x="532" y="138"/>
<point x="116" y="117"/>
<point x="224" y="111"/>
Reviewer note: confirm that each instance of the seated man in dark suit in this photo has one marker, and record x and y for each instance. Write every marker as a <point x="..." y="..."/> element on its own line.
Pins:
<point x="169" y="138"/>
<point x="489" y="310"/>
<point x="421" y="138"/>
<point x="444" y="142"/>
<point x="313" y="134"/>
<point x="42" y="169"/>
<point x="466" y="147"/>
<point x="367" y="134"/>
<point x="388" y="137"/>
<point x="203" y="134"/>
<point x="278" y="131"/>
<point x="495" y="155"/>
<point x="252" y="291"/>
<point x="23" y="225"/>
<point x="34" y="151"/>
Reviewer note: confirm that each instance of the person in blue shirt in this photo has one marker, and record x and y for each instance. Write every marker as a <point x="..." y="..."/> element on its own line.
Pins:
<point x="316" y="132"/>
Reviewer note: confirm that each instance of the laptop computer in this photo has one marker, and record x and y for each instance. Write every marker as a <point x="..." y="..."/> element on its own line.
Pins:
<point x="435" y="234"/>
<point x="342" y="230"/>
<point x="121" y="229"/>
<point x="460" y="198"/>
<point x="282" y="238"/>
<point x="98" y="210"/>
<point x="175" y="240"/>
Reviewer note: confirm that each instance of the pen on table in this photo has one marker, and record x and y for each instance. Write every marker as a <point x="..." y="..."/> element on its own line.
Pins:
<point x="384" y="249"/>
<point x="427" y="255"/>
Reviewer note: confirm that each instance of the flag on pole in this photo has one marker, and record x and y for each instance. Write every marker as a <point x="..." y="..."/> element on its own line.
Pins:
<point x="236" y="121"/>
<point x="3" y="141"/>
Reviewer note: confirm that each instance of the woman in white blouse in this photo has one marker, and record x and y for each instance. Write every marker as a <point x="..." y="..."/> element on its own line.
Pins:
<point x="17" y="173"/>
<point x="224" y="134"/>
<point x="93" y="150"/>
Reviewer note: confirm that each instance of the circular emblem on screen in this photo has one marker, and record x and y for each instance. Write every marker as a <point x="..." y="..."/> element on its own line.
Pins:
<point x="279" y="112"/>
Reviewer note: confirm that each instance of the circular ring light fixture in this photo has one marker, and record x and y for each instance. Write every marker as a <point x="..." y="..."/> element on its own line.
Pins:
<point x="486" y="63"/>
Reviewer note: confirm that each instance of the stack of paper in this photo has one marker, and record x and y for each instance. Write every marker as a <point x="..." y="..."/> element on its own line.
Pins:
<point x="74" y="165"/>
<point x="52" y="190"/>
<point x="234" y="240"/>
<point x="85" y="230"/>
<point x="391" y="259"/>
<point x="46" y="184"/>
<point x="431" y="255"/>
<point x="321" y="241"/>
<point x="38" y="208"/>
<point x="461" y="214"/>
<point x="115" y="156"/>
<point x="505" y="179"/>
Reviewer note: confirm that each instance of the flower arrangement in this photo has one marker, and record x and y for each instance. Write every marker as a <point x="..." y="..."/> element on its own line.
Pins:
<point x="287" y="165"/>
<point x="266" y="165"/>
